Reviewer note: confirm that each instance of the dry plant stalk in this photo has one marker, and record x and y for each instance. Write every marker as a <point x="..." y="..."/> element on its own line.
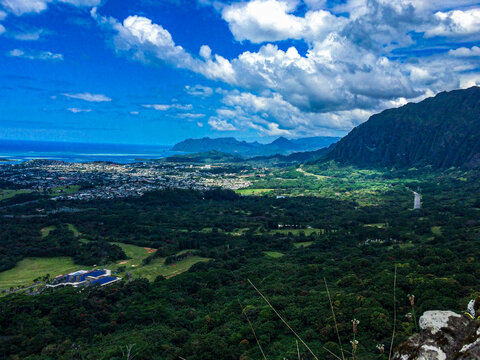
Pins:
<point x="334" y="319"/>
<point x="394" y="311"/>
<point x="283" y="320"/>
<point x="253" y="330"/>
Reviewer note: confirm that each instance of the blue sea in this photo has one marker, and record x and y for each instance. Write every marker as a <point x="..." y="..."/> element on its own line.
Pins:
<point x="20" y="151"/>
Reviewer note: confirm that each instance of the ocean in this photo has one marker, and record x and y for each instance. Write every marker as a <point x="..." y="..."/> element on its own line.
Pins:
<point x="20" y="151"/>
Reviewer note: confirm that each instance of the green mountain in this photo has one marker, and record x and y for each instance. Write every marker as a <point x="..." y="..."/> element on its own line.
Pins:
<point x="231" y="145"/>
<point x="442" y="131"/>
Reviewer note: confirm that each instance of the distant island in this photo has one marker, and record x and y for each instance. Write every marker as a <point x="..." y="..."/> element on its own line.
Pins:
<point x="230" y="145"/>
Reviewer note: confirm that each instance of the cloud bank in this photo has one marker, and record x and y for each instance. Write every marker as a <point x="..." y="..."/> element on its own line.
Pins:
<point x="355" y="65"/>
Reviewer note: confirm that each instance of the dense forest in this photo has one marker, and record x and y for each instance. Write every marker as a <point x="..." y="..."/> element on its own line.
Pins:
<point x="354" y="238"/>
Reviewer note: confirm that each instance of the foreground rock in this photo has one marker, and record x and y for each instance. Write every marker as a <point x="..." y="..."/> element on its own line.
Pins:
<point x="444" y="335"/>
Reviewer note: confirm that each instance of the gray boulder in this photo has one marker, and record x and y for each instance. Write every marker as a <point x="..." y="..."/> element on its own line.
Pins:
<point x="444" y="335"/>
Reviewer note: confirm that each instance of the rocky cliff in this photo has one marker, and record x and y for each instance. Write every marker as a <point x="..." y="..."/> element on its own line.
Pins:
<point x="444" y="335"/>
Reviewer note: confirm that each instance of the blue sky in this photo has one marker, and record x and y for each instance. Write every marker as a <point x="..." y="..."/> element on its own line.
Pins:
<point x="159" y="71"/>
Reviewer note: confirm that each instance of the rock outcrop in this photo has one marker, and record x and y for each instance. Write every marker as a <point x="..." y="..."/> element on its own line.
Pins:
<point x="444" y="335"/>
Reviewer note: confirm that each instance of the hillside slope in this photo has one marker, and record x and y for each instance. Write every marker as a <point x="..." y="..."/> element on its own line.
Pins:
<point x="442" y="131"/>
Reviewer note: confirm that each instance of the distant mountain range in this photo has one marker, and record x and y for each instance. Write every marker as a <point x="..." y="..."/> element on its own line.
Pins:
<point x="230" y="145"/>
<point x="442" y="131"/>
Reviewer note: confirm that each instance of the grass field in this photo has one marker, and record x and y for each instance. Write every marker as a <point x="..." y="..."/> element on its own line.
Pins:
<point x="158" y="267"/>
<point x="251" y="192"/>
<point x="47" y="230"/>
<point x="273" y="254"/>
<point x="437" y="230"/>
<point x="73" y="229"/>
<point x="297" y="232"/>
<point x="62" y="190"/>
<point x="303" y="244"/>
<point x="7" y="194"/>
<point x="31" y="268"/>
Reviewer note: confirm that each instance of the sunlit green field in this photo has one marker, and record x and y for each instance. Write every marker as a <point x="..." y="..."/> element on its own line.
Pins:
<point x="47" y="230"/>
<point x="155" y="268"/>
<point x="29" y="269"/>
<point x="251" y="192"/>
<point x="273" y="254"/>
<point x="7" y="194"/>
<point x="303" y="244"/>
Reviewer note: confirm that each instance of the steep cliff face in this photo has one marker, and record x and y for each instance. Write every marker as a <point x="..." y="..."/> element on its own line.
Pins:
<point x="444" y="335"/>
<point x="442" y="131"/>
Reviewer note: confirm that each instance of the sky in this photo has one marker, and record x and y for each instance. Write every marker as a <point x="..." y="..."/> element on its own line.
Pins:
<point x="159" y="71"/>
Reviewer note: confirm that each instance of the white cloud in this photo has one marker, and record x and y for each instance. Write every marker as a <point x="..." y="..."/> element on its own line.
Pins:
<point x="163" y="107"/>
<point x="465" y="52"/>
<point x="349" y="70"/>
<point x="2" y="29"/>
<point x="199" y="90"/>
<point x="42" y="55"/>
<point x="271" y="20"/>
<point x="77" y="110"/>
<point x="80" y="3"/>
<point x="190" y="116"/>
<point x="88" y="97"/>
<point x="20" y="7"/>
<point x="220" y="125"/>
<point x="28" y="36"/>
<point x="3" y="15"/>
<point x="456" y="23"/>
<point x="134" y="112"/>
<point x="272" y="115"/>
<point x="199" y="124"/>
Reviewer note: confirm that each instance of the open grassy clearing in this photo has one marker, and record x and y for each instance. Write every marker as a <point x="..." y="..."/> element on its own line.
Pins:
<point x="251" y="192"/>
<point x="29" y="269"/>
<point x="47" y="230"/>
<point x="296" y="232"/>
<point x="73" y="229"/>
<point x="62" y="190"/>
<point x="377" y="225"/>
<point x="437" y="230"/>
<point x="303" y="244"/>
<point x="7" y="194"/>
<point x="157" y="267"/>
<point x="273" y="254"/>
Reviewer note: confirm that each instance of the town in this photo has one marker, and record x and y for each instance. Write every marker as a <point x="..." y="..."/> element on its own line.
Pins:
<point x="103" y="180"/>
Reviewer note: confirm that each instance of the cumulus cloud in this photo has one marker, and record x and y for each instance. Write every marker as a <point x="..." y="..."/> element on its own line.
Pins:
<point x="28" y="35"/>
<point x="220" y="124"/>
<point x="88" y="97"/>
<point x="78" y="110"/>
<point x="199" y="90"/>
<point x="353" y="66"/>
<point x="163" y="107"/>
<point x="20" y="7"/>
<point x="190" y="116"/>
<point x="33" y="55"/>
<point x="273" y="116"/>
<point x="465" y="52"/>
<point x="456" y="23"/>
<point x="271" y="20"/>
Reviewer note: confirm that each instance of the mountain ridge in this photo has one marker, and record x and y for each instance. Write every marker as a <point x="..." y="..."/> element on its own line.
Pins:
<point x="441" y="131"/>
<point x="281" y="145"/>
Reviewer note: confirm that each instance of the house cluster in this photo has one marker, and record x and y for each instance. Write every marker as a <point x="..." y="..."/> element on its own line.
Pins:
<point x="84" y="278"/>
<point x="100" y="180"/>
